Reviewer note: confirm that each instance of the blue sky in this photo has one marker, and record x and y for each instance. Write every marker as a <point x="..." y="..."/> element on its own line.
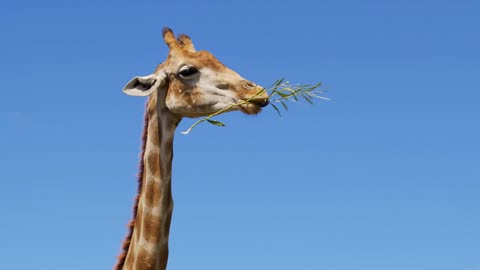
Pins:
<point x="383" y="177"/>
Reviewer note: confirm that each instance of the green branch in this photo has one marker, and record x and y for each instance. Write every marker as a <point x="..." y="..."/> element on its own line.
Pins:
<point x="280" y="92"/>
<point x="218" y="123"/>
<point x="283" y="91"/>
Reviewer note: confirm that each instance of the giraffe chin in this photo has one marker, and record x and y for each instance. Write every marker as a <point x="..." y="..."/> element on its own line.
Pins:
<point x="250" y="108"/>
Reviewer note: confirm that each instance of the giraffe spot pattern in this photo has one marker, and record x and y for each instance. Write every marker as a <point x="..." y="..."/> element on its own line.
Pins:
<point x="151" y="228"/>
<point x="153" y="193"/>
<point x="145" y="260"/>
<point x="153" y="162"/>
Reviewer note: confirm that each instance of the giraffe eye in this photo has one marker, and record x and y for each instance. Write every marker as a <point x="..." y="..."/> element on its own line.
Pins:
<point x="187" y="72"/>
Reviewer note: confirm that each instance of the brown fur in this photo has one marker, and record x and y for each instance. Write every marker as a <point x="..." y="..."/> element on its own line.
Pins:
<point x="146" y="260"/>
<point x="151" y="197"/>
<point x="150" y="224"/>
<point x="126" y="243"/>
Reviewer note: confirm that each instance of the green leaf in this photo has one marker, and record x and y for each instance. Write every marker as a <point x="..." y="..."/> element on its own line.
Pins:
<point x="313" y="87"/>
<point x="284" y="105"/>
<point x="278" y="82"/>
<point x="282" y="94"/>
<point x="307" y="98"/>
<point x="216" y="123"/>
<point x="276" y="109"/>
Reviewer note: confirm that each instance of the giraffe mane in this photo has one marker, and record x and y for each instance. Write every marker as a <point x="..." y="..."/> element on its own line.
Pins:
<point x="131" y="225"/>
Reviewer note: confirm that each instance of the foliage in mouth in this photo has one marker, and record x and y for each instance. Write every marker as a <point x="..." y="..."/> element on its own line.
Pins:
<point x="280" y="92"/>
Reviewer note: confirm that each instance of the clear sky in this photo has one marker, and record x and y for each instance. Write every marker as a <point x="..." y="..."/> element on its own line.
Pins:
<point x="383" y="177"/>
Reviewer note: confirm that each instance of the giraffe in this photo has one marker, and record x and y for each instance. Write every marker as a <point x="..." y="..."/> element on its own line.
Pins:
<point x="187" y="84"/>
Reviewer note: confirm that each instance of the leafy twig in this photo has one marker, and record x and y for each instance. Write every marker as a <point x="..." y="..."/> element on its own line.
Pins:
<point x="284" y="91"/>
<point x="281" y="91"/>
<point x="218" y="123"/>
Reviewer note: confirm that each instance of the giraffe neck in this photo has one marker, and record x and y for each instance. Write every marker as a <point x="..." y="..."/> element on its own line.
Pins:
<point x="149" y="241"/>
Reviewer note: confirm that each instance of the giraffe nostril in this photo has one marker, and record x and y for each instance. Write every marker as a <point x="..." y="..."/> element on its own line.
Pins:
<point x="224" y="86"/>
<point x="264" y="103"/>
<point x="250" y="85"/>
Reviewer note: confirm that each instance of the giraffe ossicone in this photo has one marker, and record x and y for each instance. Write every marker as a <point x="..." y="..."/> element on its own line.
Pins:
<point x="187" y="84"/>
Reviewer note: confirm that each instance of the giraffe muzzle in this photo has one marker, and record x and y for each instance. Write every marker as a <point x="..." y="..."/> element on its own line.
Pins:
<point x="262" y="103"/>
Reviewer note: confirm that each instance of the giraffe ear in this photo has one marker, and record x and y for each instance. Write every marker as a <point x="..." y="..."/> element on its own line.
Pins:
<point x="145" y="85"/>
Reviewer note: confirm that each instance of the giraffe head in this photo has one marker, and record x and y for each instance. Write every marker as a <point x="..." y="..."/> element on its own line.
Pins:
<point x="196" y="83"/>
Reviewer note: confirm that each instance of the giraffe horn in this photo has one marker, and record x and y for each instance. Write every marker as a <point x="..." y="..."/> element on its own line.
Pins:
<point x="186" y="42"/>
<point x="169" y="38"/>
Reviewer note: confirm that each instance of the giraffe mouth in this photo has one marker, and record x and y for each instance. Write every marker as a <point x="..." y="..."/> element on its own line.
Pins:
<point x="250" y="108"/>
<point x="254" y="106"/>
<point x="261" y="103"/>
